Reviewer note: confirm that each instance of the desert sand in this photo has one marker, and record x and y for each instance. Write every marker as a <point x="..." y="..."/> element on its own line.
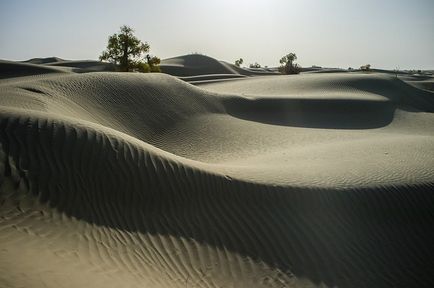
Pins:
<point x="144" y="180"/>
<point x="197" y="68"/>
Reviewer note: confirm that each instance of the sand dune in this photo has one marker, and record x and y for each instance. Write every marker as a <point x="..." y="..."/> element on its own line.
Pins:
<point x="10" y="69"/>
<point x="133" y="180"/>
<point x="198" y="65"/>
<point x="77" y="66"/>
<point x="82" y="66"/>
<point x="47" y="60"/>
<point x="424" y="82"/>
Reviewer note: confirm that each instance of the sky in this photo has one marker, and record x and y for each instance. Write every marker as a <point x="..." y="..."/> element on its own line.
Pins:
<point x="387" y="34"/>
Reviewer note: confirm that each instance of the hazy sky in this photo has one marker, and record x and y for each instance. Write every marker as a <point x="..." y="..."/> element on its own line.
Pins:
<point x="334" y="33"/>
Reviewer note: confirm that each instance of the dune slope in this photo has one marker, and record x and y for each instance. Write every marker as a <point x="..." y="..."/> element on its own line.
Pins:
<point x="9" y="69"/>
<point x="197" y="67"/>
<point x="133" y="180"/>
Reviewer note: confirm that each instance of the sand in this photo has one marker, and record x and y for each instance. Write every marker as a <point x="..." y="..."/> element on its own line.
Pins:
<point x="143" y="180"/>
<point x="196" y="68"/>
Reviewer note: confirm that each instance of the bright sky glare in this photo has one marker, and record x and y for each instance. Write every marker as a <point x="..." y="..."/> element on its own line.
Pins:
<point x="331" y="33"/>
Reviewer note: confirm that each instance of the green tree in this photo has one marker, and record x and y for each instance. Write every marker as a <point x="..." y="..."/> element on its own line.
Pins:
<point x="125" y="49"/>
<point x="288" y="65"/>
<point x="151" y="65"/>
<point x="239" y="62"/>
<point x="154" y="63"/>
<point x="256" y="65"/>
<point x="366" y="67"/>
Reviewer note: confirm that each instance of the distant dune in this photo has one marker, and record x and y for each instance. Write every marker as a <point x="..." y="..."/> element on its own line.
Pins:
<point x="48" y="60"/>
<point x="9" y="69"/>
<point x="78" y="66"/>
<point x="143" y="180"/>
<point x="198" y="65"/>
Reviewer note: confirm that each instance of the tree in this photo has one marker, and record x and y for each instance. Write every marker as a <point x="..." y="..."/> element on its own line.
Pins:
<point x="153" y="62"/>
<point x="239" y="62"/>
<point x="126" y="50"/>
<point x="256" y="65"/>
<point x="288" y="65"/>
<point x="151" y="65"/>
<point x="366" y="67"/>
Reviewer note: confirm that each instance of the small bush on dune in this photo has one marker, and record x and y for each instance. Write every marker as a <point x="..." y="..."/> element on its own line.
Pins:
<point x="143" y="67"/>
<point x="239" y="62"/>
<point x="294" y="69"/>
<point x="153" y="63"/>
<point x="288" y="66"/>
<point x="155" y="69"/>
<point x="256" y="65"/>
<point x="366" y="67"/>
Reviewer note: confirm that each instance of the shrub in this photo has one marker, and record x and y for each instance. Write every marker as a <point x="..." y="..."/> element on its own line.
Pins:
<point x="288" y="66"/>
<point x="256" y="65"/>
<point x="366" y="67"/>
<point x="239" y="62"/>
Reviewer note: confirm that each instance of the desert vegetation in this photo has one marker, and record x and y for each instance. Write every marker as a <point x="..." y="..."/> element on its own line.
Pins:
<point x="256" y="65"/>
<point x="366" y="67"/>
<point x="287" y="64"/>
<point x="129" y="53"/>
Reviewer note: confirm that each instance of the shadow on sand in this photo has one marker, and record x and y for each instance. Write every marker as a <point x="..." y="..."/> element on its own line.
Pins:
<point x="313" y="113"/>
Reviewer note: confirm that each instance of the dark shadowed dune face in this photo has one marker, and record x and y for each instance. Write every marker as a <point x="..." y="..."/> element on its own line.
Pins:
<point x="9" y="69"/>
<point x="132" y="180"/>
<point x="85" y="66"/>
<point x="48" y="60"/>
<point x="313" y="113"/>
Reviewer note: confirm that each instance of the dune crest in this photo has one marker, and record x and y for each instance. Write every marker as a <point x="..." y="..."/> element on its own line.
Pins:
<point x="197" y="68"/>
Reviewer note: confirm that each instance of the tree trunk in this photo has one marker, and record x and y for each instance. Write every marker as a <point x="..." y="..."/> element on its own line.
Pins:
<point x="124" y="62"/>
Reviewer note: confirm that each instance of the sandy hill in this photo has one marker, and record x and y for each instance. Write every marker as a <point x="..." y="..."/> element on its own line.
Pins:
<point x="134" y="180"/>
<point x="9" y="69"/>
<point x="46" y="60"/>
<point x="85" y="65"/>
<point x="425" y="82"/>
<point x="78" y="66"/>
<point x="195" y="67"/>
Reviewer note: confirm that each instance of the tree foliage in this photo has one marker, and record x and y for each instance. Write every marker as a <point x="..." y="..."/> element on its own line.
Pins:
<point x="366" y="67"/>
<point x="288" y="65"/>
<point x="256" y="65"/>
<point x="151" y="65"/>
<point x="154" y="63"/>
<point x="126" y="50"/>
<point x="239" y="62"/>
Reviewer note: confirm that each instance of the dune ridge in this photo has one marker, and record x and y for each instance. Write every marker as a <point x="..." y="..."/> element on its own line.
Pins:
<point x="10" y="69"/>
<point x="76" y="66"/>
<point x="115" y="179"/>
<point x="197" y="67"/>
<point x="46" y="60"/>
